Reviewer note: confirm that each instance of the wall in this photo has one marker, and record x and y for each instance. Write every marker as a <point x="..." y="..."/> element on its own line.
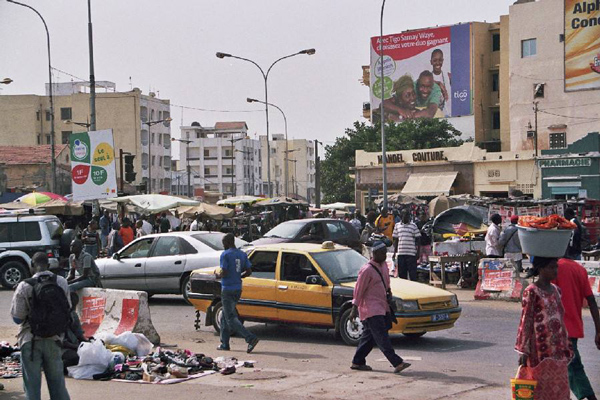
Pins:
<point x="504" y="171"/>
<point x="544" y="20"/>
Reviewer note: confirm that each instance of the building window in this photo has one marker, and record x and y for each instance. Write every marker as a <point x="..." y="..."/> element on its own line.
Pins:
<point x="206" y="171"/>
<point x="528" y="48"/>
<point x="496" y="42"/>
<point x="153" y="159"/>
<point x="152" y="137"/>
<point x="48" y="141"/>
<point x="48" y="116"/>
<point x="159" y="139"/>
<point x="228" y="153"/>
<point x="495" y="82"/>
<point x="160" y="161"/>
<point x="495" y="119"/>
<point x="558" y="140"/>
<point x="37" y="115"/>
<point x="206" y="153"/>
<point x="538" y="90"/>
<point x="65" y="113"/>
<point x="65" y="136"/>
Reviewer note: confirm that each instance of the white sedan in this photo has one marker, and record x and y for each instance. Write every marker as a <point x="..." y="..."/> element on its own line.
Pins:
<point x="162" y="263"/>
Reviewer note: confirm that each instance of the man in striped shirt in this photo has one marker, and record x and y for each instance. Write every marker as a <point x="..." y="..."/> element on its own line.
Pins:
<point x="405" y="246"/>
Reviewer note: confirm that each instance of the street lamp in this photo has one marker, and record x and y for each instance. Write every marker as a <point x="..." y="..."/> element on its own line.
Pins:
<point x="52" y="156"/>
<point x="150" y="124"/>
<point x="233" y="185"/>
<point x="383" y="159"/>
<point x="6" y="81"/>
<point x="84" y="124"/>
<point x="249" y="100"/>
<point x="187" y="159"/>
<point x="309" y="52"/>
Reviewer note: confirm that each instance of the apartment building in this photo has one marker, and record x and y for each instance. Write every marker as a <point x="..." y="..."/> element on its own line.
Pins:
<point x="25" y="121"/>
<point x="222" y="158"/>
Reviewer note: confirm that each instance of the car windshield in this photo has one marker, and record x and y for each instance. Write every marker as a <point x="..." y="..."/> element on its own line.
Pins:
<point x="285" y="230"/>
<point x="215" y="240"/>
<point x="340" y="266"/>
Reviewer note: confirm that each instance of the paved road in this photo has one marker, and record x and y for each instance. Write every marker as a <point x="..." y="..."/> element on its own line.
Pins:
<point x="474" y="360"/>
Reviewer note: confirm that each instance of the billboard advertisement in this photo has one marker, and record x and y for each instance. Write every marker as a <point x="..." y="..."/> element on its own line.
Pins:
<point x="427" y="73"/>
<point x="93" y="171"/>
<point x="582" y="45"/>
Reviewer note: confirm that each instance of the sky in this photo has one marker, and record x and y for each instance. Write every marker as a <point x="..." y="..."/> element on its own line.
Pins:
<point x="169" y="47"/>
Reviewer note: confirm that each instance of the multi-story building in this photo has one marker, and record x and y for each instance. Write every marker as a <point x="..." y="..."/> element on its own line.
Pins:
<point x="222" y="159"/>
<point x="25" y="121"/>
<point x="301" y="167"/>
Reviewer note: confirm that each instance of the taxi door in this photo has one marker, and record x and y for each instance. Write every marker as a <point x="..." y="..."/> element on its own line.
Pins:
<point x="258" y="290"/>
<point x="300" y="302"/>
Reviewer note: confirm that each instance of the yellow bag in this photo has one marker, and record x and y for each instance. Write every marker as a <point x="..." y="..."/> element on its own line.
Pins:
<point x="522" y="389"/>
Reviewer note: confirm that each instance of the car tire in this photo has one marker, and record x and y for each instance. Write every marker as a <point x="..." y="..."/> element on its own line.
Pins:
<point x="217" y="312"/>
<point x="414" y="335"/>
<point x="12" y="273"/>
<point x="348" y="333"/>
<point x="186" y="288"/>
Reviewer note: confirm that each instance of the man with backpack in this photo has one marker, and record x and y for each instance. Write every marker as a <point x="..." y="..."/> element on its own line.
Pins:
<point x="41" y="306"/>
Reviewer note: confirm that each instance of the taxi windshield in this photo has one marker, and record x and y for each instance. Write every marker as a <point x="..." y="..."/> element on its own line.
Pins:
<point x="341" y="265"/>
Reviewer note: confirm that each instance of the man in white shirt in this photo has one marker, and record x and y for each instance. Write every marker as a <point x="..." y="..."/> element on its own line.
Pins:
<point x="146" y="226"/>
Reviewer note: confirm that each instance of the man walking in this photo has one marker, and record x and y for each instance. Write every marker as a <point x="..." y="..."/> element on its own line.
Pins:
<point x="574" y="249"/>
<point x="385" y="223"/>
<point x="370" y="305"/>
<point x="42" y="302"/>
<point x="104" y="228"/>
<point x="405" y="237"/>
<point x="573" y="282"/>
<point x="84" y="272"/>
<point x="509" y="243"/>
<point x="234" y="266"/>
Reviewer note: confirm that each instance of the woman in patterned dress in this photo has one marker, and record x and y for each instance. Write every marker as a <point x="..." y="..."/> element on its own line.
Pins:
<point x="542" y="339"/>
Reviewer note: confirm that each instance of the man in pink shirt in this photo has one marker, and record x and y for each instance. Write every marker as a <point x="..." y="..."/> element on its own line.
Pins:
<point x="370" y="304"/>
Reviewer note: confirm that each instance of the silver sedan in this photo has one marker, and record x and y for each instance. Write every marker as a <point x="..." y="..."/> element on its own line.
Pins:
<point x="162" y="263"/>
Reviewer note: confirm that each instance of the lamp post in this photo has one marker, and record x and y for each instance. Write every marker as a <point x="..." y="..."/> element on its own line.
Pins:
<point x="92" y="76"/>
<point x="84" y="124"/>
<point x="187" y="159"/>
<point x="383" y="157"/>
<point x="150" y="124"/>
<point x="52" y="155"/>
<point x="287" y="151"/>
<point x="309" y="52"/>
<point x="233" y="185"/>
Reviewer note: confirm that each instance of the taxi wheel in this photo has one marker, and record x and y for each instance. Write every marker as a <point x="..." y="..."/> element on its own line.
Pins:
<point x="217" y="314"/>
<point x="350" y="334"/>
<point x="186" y="288"/>
<point x="414" y="335"/>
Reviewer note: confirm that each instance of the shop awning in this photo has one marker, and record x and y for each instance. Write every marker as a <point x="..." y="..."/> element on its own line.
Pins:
<point x="430" y="184"/>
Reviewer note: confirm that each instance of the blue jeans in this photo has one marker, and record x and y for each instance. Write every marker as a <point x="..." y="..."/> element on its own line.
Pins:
<point x="73" y="287"/>
<point x="91" y="249"/>
<point x="407" y="267"/>
<point x="46" y="356"/>
<point x="375" y="333"/>
<point x="230" y="323"/>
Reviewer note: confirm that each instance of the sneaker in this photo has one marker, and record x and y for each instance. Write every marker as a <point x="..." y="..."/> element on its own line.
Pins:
<point x="252" y="345"/>
<point x="223" y="348"/>
<point x="401" y="367"/>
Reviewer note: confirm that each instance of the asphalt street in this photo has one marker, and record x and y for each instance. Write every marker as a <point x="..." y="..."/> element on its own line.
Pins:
<point x="474" y="360"/>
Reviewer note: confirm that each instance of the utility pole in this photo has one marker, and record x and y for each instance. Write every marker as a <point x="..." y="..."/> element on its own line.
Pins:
<point x="317" y="176"/>
<point x="121" y="185"/>
<point x="535" y="138"/>
<point x="383" y="158"/>
<point x="92" y="76"/>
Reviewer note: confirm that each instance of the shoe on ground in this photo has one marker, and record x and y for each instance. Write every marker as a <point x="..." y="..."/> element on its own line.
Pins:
<point x="252" y="345"/>
<point x="401" y="367"/>
<point x="223" y="348"/>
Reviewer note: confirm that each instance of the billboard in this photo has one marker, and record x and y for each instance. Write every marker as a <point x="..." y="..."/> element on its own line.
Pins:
<point x="427" y="73"/>
<point x="93" y="171"/>
<point x="582" y="45"/>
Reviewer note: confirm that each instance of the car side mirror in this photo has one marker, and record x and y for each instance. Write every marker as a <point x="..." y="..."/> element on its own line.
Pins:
<point x="116" y="256"/>
<point x="315" y="280"/>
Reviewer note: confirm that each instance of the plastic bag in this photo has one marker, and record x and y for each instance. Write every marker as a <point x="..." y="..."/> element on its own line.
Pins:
<point x="85" y="371"/>
<point x="94" y="353"/>
<point x="137" y="342"/>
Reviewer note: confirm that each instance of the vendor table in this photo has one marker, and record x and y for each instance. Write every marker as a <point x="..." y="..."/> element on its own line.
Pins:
<point x="444" y="260"/>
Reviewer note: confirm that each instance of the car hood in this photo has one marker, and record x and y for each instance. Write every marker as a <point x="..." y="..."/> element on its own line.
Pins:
<point x="205" y="271"/>
<point x="269" y="240"/>
<point x="408" y="290"/>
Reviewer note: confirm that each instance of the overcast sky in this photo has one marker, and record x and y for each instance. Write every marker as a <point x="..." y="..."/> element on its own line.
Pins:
<point x="169" y="47"/>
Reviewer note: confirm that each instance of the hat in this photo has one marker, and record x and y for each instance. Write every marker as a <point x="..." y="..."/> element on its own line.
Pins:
<point x="514" y="219"/>
<point x="378" y="245"/>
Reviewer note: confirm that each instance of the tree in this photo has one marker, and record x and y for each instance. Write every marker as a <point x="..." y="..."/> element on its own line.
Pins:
<point x="414" y="134"/>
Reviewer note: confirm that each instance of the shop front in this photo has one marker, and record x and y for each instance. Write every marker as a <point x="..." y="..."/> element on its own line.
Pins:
<point x="418" y="173"/>
<point x="573" y="172"/>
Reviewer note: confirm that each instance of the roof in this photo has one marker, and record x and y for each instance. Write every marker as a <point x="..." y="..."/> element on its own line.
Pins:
<point x="231" y="125"/>
<point x="20" y="155"/>
<point x="306" y="247"/>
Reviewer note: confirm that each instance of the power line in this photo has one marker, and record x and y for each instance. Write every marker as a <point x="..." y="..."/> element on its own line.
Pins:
<point x="567" y="116"/>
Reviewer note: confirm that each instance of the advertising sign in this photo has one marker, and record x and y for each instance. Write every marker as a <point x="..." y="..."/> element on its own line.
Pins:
<point x="582" y="45"/>
<point x="93" y="165"/>
<point x="427" y="73"/>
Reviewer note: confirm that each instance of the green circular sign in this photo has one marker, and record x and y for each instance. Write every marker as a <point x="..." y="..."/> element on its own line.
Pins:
<point x="99" y="175"/>
<point x="388" y="85"/>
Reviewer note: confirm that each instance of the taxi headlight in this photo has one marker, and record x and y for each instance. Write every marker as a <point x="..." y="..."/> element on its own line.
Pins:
<point x="454" y="301"/>
<point x="407" y="305"/>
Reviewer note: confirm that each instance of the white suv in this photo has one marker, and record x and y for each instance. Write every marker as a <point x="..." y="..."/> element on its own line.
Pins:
<point x="21" y="236"/>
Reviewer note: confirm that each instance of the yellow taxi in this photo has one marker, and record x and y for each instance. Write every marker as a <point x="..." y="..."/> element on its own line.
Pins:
<point x="312" y="285"/>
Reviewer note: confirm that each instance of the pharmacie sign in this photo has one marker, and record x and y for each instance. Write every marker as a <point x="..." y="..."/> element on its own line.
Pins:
<point x="565" y="163"/>
<point x="417" y="156"/>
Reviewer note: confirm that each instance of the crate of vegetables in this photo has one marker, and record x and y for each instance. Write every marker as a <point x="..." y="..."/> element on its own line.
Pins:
<point x="545" y="236"/>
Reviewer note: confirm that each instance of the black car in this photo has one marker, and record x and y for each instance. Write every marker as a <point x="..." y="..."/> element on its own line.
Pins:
<point x="313" y="230"/>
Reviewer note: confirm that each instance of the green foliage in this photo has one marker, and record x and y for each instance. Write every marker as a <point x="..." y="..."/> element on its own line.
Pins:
<point x="407" y="135"/>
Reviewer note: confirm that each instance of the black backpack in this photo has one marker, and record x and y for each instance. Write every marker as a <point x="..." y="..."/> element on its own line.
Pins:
<point x="50" y="311"/>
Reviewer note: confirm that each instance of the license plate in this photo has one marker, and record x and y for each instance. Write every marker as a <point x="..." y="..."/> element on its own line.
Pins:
<point x="440" y="317"/>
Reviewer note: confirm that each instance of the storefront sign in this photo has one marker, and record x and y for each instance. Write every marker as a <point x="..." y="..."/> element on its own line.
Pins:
<point x="565" y="163"/>
<point x="418" y="156"/>
<point x="391" y="159"/>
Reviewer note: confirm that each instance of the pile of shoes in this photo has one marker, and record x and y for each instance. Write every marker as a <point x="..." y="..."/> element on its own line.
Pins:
<point x="10" y="361"/>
